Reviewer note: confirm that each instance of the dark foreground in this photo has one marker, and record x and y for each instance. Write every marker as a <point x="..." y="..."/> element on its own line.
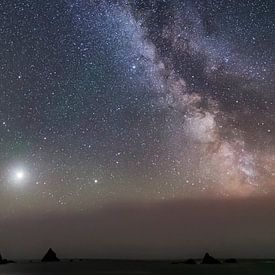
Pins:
<point x="97" y="267"/>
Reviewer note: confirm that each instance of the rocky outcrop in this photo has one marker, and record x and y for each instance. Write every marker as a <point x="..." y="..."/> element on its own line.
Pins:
<point x="190" y="261"/>
<point x="50" y="256"/>
<point x="5" y="261"/>
<point x="209" y="259"/>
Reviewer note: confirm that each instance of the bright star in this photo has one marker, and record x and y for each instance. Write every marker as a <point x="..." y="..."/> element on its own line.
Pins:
<point x="18" y="175"/>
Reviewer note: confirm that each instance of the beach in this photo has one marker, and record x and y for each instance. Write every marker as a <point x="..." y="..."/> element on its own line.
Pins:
<point x="99" y="267"/>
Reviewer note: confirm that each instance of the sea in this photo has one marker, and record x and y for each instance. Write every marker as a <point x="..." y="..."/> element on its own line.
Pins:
<point x="123" y="267"/>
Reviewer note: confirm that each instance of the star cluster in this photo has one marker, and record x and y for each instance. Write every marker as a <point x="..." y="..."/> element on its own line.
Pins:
<point x="140" y="100"/>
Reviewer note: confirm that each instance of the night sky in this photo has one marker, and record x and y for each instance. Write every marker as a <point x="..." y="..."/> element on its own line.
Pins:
<point x="134" y="128"/>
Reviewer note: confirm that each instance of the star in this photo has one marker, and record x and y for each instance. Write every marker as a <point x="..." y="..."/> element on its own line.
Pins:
<point x="18" y="175"/>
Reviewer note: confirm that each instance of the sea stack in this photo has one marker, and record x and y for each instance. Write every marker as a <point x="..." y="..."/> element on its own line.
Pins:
<point x="209" y="260"/>
<point x="50" y="256"/>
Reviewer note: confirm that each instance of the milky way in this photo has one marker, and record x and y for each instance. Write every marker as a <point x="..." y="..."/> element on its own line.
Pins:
<point x="141" y="100"/>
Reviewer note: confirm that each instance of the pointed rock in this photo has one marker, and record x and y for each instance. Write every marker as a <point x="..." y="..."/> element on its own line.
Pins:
<point x="50" y="256"/>
<point x="209" y="260"/>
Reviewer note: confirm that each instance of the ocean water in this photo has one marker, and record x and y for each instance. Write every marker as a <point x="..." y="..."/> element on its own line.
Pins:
<point x="100" y="267"/>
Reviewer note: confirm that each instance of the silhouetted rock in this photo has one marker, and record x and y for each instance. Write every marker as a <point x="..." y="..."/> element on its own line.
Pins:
<point x="50" y="256"/>
<point x="209" y="260"/>
<point x="5" y="261"/>
<point x="230" y="261"/>
<point x="190" y="261"/>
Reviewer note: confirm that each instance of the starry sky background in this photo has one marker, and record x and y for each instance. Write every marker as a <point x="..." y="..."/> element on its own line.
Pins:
<point x="159" y="110"/>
